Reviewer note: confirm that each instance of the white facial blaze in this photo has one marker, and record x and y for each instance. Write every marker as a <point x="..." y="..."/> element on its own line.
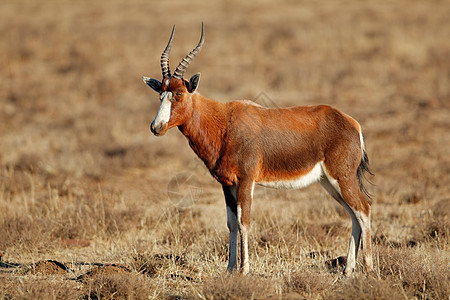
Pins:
<point x="163" y="115"/>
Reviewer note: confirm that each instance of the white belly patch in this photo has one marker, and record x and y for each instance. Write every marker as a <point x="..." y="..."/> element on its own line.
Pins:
<point x="297" y="183"/>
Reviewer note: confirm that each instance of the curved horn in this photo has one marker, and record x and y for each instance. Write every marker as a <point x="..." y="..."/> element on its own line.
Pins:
<point x="179" y="72"/>
<point x="165" y="56"/>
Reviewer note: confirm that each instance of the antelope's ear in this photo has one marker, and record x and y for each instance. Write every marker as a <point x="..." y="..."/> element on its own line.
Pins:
<point x="153" y="83"/>
<point x="193" y="83"/>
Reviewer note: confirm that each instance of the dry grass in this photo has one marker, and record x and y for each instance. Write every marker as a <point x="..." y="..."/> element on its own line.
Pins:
<point x="82" y="181"/>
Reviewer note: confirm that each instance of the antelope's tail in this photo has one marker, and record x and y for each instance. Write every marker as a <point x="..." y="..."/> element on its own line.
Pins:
<point x="363" y="168"/>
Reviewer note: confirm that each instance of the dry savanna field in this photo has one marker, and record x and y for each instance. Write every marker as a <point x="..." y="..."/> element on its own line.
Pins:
<point x="92" y="205"/>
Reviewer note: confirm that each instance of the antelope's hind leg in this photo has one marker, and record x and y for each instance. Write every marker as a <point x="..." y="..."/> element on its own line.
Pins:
<point x="333" y="188"/>
<point x="360" y="206"/>
<point x="363" y="213"/>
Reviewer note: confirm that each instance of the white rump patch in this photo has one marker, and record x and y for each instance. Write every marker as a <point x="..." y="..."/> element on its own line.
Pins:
<point x="361" y="140"/>
<point x="298" y="183"/>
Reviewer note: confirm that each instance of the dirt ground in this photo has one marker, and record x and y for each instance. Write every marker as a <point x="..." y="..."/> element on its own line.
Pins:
<point x="92" y="205"/>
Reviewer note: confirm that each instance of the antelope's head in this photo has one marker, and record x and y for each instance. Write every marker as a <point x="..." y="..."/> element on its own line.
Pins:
<point x="175" y="93"/>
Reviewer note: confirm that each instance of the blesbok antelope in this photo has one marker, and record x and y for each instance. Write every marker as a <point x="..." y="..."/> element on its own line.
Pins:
<point x="243" y="144"/>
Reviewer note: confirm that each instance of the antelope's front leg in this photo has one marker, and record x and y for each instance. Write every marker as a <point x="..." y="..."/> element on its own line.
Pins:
<point x="244" y="203"/>
<point x="232" y="223"/>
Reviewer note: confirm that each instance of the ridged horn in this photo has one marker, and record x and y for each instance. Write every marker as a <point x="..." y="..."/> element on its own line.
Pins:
<point x="165" y="56"/>
<point x="184" y="64"/>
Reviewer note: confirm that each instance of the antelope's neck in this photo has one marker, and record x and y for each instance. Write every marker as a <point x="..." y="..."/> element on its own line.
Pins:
<point x="206" y="128"/>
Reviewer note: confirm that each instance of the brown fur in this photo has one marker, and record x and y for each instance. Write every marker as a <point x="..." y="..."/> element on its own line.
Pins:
<point x="238" y="139"/>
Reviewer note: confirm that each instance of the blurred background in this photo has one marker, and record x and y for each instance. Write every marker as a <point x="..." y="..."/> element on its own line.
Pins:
<point x="75" y="114"/>
<point x="73" y="104"/>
